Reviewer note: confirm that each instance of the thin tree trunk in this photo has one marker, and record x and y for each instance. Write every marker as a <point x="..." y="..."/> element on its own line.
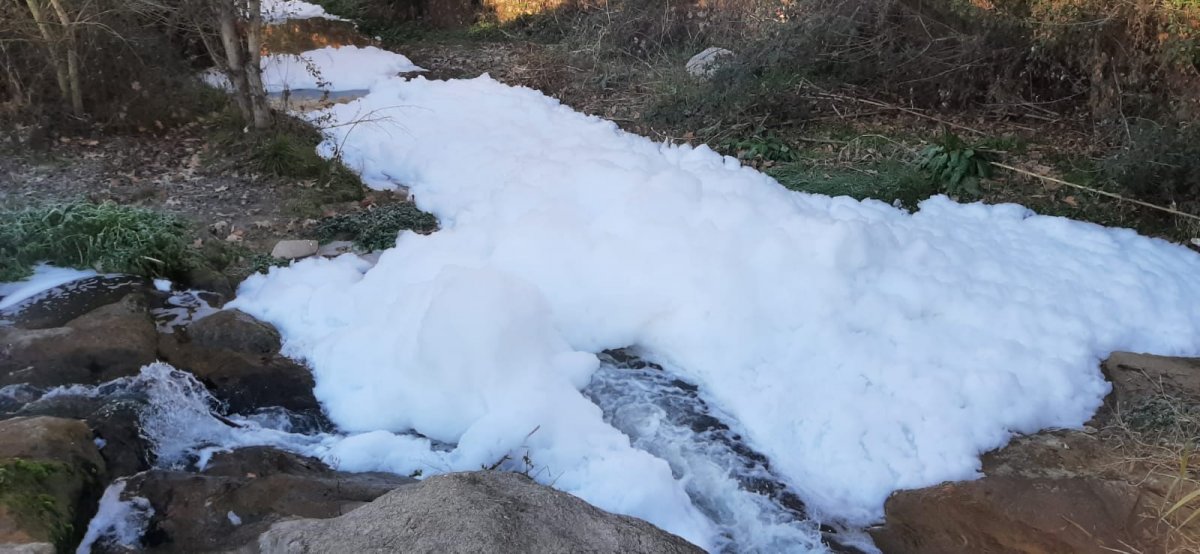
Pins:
<point x="15" y="88"/>
<point x="60" y="69"/>
<point x="258" y="93"/>
<point x="72" y="58"/>
<point x="234" y="60"/>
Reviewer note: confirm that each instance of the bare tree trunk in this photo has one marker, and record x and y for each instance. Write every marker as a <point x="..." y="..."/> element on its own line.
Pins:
<point x="235" y="67"/>
<point x="60" y="69"/>
<point x="258" y="93"/>
<point x="68" y="31"/>
<point x="15" y="88"/>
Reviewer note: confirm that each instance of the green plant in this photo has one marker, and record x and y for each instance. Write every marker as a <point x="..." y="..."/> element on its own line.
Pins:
<point x="891" y="181"/>
<point x="285" y="155"/>
<point x="956" y="166"/>
<point x="377" y="228"/>
<point x="104" y="236"/>
<point x="262" y="263"/>
<point x="762" y="145"/>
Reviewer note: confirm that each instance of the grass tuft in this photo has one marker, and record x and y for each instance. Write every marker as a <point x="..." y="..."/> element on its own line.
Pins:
<point x="889" y="180"/>
<point x="106" y="237"/>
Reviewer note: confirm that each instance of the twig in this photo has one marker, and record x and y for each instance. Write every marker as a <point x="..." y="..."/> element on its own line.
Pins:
<point x="885" y="105"/>
<point x="1097" y="191"/>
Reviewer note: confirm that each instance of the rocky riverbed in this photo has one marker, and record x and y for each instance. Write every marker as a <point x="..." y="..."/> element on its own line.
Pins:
<point x="100" y="443"/>
<point x="94" y="449"/>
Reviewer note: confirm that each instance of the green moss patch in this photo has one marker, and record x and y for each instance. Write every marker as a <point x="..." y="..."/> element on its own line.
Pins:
<point x="36" y="494"/>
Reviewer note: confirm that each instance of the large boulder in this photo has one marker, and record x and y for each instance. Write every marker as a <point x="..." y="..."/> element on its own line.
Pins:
<point x="484" y="511"/>
<point x="245" y="379"/>
<point x="112" y="341"/>
<point x="235" y="331"/>
<point x="51" y="477"/>
<point x="114" y="421"/>
<point x="240" y="494"/>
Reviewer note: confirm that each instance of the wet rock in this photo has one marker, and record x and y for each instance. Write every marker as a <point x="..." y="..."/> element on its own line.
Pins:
<point x="293" y="249"/>
<point x="244" y="382"/>
<point x="52" y="479"/>
<point x="117" y="427"/>
<point x="114" y="421"/>
<point x="236" y="331"/>
<point x="485" y="511"/>
<point x="109" y="342"/>
<point x="56" y="306"/>
<point x="241" y="493"/>
<point x="203" y="277"/>
<point x="704" y="64"/>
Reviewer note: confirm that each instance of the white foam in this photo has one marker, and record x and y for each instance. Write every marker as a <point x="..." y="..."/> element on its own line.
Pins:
<point x="280" y="11"/>
<point x="117" y="522"/>
<point x="864" y="349"/>
<point x="332" y="69"/>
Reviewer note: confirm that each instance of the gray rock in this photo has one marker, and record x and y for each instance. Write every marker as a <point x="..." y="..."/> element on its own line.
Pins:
<point x="336" y="248"/>
<point x="236" y="331"/>
<point x="293" y="249"/>
<point x="259" y="485"/>
<point x="704" y="64"/>
<point x="114" y="420"/>
<point x="244" y="381"/>
<point x="485" y="511"/>
<point x="55" y="461"/>
<point x="56" y="306"/>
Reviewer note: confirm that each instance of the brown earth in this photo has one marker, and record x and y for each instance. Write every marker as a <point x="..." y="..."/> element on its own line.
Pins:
<point x="1121" y="484"/>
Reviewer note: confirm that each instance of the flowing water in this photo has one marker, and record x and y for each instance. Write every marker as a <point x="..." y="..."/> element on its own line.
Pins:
<point x="754" y="508"/>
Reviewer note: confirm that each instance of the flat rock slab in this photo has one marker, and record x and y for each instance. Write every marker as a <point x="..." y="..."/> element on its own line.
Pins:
<point x="294" y="249"/>
<point x="336" y="248"/>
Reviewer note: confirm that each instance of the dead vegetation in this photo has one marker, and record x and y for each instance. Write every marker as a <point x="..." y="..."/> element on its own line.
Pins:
<point x="1099" y="94"/>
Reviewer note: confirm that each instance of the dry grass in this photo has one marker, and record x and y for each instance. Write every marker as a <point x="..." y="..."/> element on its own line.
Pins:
<point x="1155" y="441"/>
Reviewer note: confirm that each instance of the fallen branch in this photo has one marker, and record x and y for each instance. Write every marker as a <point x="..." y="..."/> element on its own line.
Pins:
<point x="1097" y="191"/>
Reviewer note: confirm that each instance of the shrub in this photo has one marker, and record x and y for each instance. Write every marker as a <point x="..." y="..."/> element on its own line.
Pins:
<point x="377" y="228"/>
<point x="1160" y="165"/>
<point x="106" y="237"/>
<point x="955" y="165"/>
<point x="1110" y="58"/>
<point x="133" y="69"/>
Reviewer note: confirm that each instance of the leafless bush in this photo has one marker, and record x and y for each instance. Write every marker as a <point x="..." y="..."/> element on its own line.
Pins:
<point x="1114" y="59"/>
<point x="116" y="61"/>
